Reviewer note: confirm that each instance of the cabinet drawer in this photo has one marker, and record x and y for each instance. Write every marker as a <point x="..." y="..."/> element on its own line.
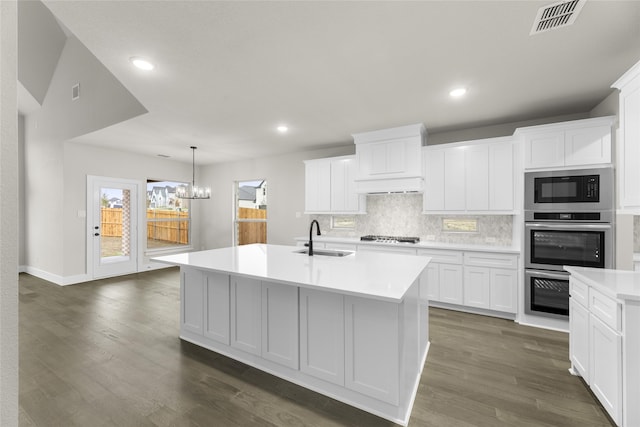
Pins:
<point x="442" y="257"/>
<point x="579" y="292"/>
<point x="481" y="259"/>
<point x="389" y="249"/>
<point x="605" y="309"/>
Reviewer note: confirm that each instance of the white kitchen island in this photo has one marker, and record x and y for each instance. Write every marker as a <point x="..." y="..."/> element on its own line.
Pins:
<point x="354" y="328"/>
<point x="604" y="338"/>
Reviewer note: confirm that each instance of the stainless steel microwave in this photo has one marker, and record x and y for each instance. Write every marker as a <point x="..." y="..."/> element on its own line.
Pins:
<point x="569" y="190"/>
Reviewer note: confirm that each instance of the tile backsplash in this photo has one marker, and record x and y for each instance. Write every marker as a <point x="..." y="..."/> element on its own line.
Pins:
<point x="401" y="215"/>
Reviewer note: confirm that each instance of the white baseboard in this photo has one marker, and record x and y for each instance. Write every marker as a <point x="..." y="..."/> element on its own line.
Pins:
<point x="78" y="278"/>
<point x="44" y="275"/>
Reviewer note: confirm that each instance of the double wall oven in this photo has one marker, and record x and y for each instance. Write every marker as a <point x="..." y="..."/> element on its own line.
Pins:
<point x="568" y="221"/>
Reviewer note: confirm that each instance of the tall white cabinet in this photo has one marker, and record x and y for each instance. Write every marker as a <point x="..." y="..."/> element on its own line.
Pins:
<point x="330" y="186"/>
<point x="471" y="177"/>
<point x="629" y="144"/>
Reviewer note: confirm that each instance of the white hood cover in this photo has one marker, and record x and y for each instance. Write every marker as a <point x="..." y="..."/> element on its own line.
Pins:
<point x="390" y="160"/>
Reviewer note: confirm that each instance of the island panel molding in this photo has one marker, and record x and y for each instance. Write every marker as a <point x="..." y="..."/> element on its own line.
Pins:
<point x="338" y="326"/>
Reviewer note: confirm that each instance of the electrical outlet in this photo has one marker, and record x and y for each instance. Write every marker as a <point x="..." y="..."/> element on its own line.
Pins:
<point x="490" y="240"/>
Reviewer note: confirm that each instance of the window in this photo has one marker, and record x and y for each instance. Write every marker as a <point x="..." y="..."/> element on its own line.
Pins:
<point x="343" y="222"/>
<point x="251" y="212"/>
<point x="168" y="217"/>
<point x="460" y="225"/>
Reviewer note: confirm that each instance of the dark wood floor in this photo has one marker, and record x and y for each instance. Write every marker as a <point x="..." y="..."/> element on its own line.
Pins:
<point x="106" y="353"/>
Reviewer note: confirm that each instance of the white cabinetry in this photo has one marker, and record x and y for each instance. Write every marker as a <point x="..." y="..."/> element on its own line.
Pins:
<point x="567" y="144"/>
<point x="390" y="159"/>
<point x="444" y="275"/>
<point x="317" y="188"/>
<point x="322" y="335"/>
<point x="280" y="324"/>
<point x="595" y="345"/>
<point x="472" y="279"/>
<point x="216" y="316"/>
<point x="246" y="314"/>
<point x="374" y="376"/>
<point x="471" y="176"/>
<point x="192" y="297"/>
<point x="330" y="186"/>
<point x="629" y="139"/>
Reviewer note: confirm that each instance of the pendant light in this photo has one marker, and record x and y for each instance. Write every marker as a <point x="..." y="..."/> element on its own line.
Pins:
<point x="192" y="191"/>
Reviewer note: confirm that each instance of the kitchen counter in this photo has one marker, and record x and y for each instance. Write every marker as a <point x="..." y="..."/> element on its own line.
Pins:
<point x="373" y="275"/>
<point x="618" y="284"/>
<point x="355" y="328"/>
<point x="420" y="245"/>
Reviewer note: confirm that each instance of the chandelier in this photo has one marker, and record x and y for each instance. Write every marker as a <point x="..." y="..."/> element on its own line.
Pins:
<point x="192" y="191"/>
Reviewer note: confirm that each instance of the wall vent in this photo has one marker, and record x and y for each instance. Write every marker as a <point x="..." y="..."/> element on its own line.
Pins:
<point x="556" y="15"/>
<point x="75" y="91"/>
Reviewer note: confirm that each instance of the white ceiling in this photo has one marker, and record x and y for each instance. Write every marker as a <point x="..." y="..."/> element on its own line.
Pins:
<point x="227" y="73"/>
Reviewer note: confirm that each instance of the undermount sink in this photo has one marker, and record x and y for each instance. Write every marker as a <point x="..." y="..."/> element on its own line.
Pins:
<point x="324" y="252"/>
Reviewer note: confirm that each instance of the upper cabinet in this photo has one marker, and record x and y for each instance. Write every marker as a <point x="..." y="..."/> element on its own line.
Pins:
<point x="629" y="144"/>
<point x="330" y="186"/>
<point x="470" y="177"/>
<point x="576" y="143"/>
<point x="389" y="160"/>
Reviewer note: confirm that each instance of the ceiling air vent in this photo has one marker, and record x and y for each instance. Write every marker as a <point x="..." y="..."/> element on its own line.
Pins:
<point x="556" y="15"/>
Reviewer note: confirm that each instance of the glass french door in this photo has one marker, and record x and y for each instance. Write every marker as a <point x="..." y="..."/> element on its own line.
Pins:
<point x="112" y="226"/>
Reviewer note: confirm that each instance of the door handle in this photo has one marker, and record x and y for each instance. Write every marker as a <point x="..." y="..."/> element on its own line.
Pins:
<point x="96" y="234"/>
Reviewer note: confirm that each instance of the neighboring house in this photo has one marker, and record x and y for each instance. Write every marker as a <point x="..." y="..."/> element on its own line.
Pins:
<point x="253" y="197"/>
<point x="114" y="202"/>
<point x="162" y="197"/>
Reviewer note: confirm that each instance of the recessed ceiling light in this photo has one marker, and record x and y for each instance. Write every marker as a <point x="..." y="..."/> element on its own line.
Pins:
<point x="143" y="64"/>
<point x="458" y="92"/>
<point x="282" y="128"/>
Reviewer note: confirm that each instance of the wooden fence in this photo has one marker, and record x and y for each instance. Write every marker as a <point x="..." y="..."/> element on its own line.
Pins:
<point x="178" y="231"/>
<point x="111" y="222"/>
<point x="168" y="230"/>
<point x="252" y="232"/>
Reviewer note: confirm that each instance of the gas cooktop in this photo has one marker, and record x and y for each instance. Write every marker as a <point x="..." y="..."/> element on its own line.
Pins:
<point x="390" y="239"/>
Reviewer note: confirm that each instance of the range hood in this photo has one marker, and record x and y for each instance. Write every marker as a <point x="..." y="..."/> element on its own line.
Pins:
<point x="390" y="160"/>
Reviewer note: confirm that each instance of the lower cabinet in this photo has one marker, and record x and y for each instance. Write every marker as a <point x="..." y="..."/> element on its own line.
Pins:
<point x="371" y="328"/>
<point x="216" y="318"/>
<point x="246" y="314"/>
<point x="322" y="335"/>
<point x="605" y="377"/>
<point x="477" y="287"/>
<point x="192" y="297"/>
<point x="579" y="338"/>
<point x="450" y="283"/>
<point x="280" y="324"/>
<point x="596" y="345"/>
<point x="472" y="279"/>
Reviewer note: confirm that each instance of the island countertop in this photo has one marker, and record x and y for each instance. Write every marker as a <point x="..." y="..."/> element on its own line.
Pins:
<point x="382" y="276"/>
<point x="619" y="284"/>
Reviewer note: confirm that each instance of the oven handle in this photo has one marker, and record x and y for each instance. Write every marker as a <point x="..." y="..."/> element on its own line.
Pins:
<point x="561" y="226"/>
<point x="549" y="275"/>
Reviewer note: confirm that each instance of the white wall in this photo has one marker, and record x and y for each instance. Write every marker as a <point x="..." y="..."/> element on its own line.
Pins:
<point x="285" y="195"/>
<point x="8" y="217"/>
<point x="40" y="41"/>
<point x="55" y="172"/>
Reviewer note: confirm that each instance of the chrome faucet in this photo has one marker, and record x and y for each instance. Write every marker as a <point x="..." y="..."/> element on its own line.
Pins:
<point x="311" y="235"/>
